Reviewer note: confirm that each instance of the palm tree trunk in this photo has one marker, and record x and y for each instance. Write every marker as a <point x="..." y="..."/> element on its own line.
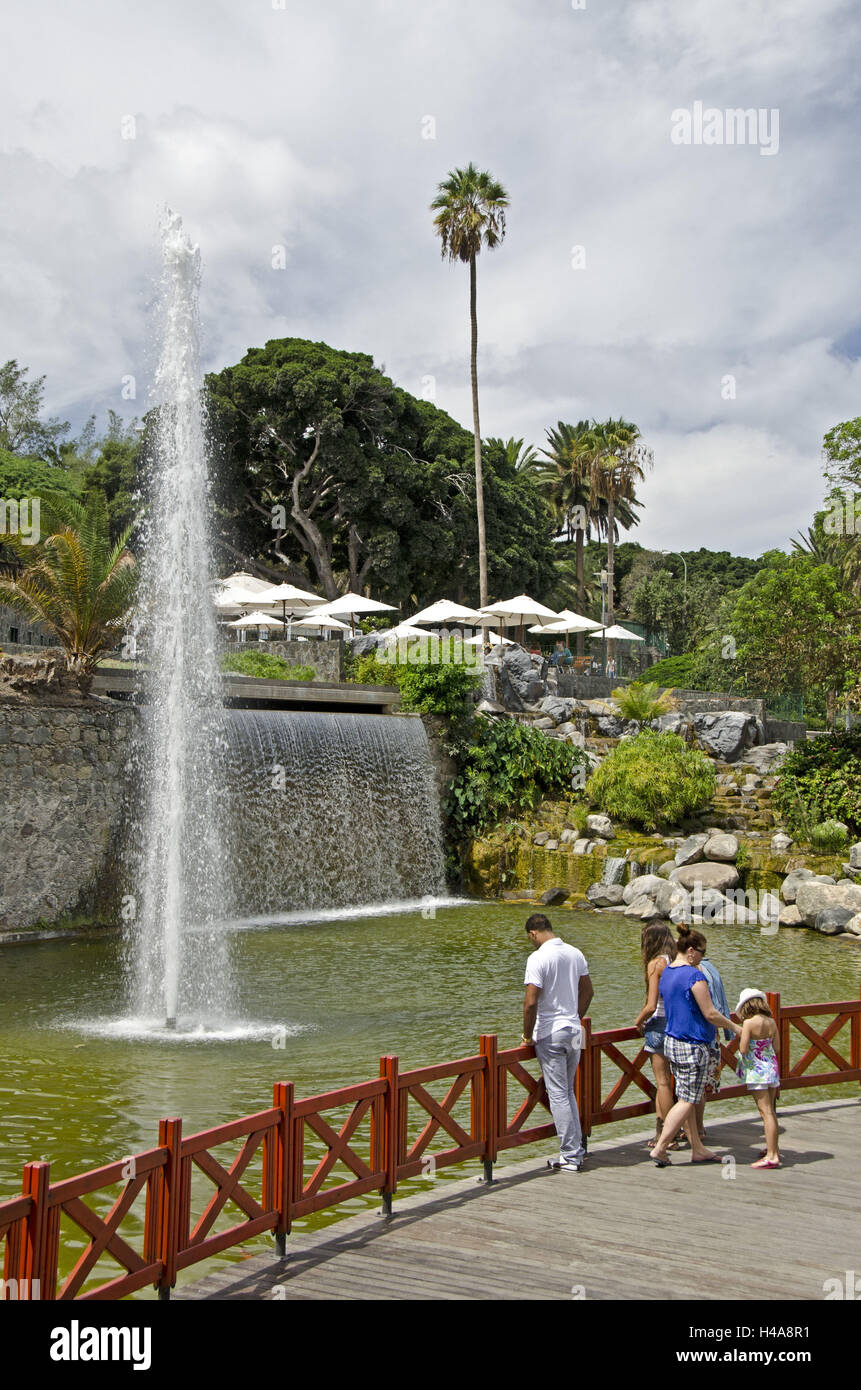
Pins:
<point x="581" y="584"/>
<point x="479" y="480"/>
<point x="611" y="558"/>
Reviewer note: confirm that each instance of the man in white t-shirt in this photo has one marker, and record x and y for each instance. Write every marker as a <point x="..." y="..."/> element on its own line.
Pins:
<point x="558" y="993"/>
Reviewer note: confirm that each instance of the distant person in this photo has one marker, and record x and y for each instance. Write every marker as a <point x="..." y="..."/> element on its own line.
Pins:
<point x="690" y="1033"/>
<point x="558" y="993"/>
<point x="561" y="655"/>
<point x="611" y="668"/>
<point x="658" y="948"/>
<point x="759" y="1068"/>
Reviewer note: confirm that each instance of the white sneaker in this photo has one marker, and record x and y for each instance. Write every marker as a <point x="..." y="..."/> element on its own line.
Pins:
<point x="562" y="1165"/>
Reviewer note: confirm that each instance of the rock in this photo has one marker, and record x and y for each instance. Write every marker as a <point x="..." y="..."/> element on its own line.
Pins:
<point x="568" y="836"/>
<point x="544" y="723"/>
<point x="601" y="826"/>
<point x="726" y="734"/>
<point x="557" y="709"/>
<point x="720" y="876"/>
<point x="736" y="914"/>
<point x="813" y="898"/>
<point x="691" y="849"/>
<point x="706" y="903"/>
<point x="551" y="844"/>
<point x="596" y="843"/>
<point x="572" y="734"/>
<point x="644" y="886"/>
<point x="832" y="920"/>
<point x="644" y="908"/>
<point x="780" y="843"/>
<point x="554" y="896"/>
<point x="673" y="901"/>
<point x="791" y="917"/>
<point x="751" y="782"/>
<point x="769" y="909"/>
<point x="520" y="681"/>
<point x="581" y="846"/>
<point x="723" y="848"/>
<point x="853" y="926"/>
<point x="541" y="838"/>
<point x="766" y="757"/>
<point x="789" y="886"/>
<point x="490" y="707"/>
<point x="673" y="724"/>
<point x="855" y="855"/>
<point x="666" y="869"/>
<point x="611" y="726"/>
<point x="604" y="894"/>
<point x="42" y="677"/>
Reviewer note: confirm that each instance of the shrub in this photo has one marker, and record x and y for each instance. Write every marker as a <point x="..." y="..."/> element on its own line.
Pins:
<point x="506" y="769"/>
<point x="820" y="780"/>
<point x="430" y="686"/>
<point x="673" y="670"/>
<point x="266" y="666"/>
<point x="829" y="837"/>
<point x="641" y="701"/>
<point x="652" y="779"/>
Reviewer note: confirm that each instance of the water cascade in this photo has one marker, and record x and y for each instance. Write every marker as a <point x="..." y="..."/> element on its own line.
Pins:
<point x="177" y="945"/>
<point x="614" y="870"/>
<point x="329" y="811"/>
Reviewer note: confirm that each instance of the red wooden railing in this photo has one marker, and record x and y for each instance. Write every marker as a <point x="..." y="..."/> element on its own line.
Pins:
<point x="389" y="1135"/>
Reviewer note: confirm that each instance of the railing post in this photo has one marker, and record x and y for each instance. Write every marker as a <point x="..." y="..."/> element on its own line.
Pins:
<point x="36" y="1280"/>
<point x="584" y="1080"/>
<point x="391" y="1130"/>
<point x="167" y="1228"/>
<point x="489" y="1048"/>
<point x="283" y="1100"/>
<point x="855" y="1041"/>
<point x="782" y="1035"/>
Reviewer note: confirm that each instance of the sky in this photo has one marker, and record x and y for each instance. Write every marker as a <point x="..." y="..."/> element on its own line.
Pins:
<point x="708" y="291"/>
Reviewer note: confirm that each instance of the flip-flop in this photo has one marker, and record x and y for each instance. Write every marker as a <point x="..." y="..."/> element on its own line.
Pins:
<point x="715" y="1158"/>
<point x="661" y="1162"/>
<point x="761" y="1163"/>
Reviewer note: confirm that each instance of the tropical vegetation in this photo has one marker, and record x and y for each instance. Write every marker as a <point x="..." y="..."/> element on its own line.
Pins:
<point x="652" y="780"/>
<point x="820" y="780"/>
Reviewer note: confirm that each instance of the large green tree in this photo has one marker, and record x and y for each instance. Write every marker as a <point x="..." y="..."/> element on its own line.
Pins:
<point x="470" y="206"/>
<point x="22" y="429"/>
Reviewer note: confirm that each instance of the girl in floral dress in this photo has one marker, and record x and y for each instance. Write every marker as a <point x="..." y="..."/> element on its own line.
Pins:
<point x="758" y="1066"/>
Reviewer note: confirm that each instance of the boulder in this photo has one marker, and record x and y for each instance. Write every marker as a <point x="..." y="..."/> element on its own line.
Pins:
<point x="600" y="827"/>
<point x="610" y="726"/>
<point x="644" y="886"/>
<point x="541" y="838"/>
<point x="780" y="843"/>
<point x="568" y="836"/>
<point x="490" y="707"/>
<point x="855" y="855"/>
<point x="769" y="909"/>
<point x="723" y="848"/>
<point x="832" y="920"/>
<point x="604" y="894"/>
<point x="551" y="844"/>
<point x="673" y="901"/>
<point x="554" y="896"/>
<point x="644" y="908"/>
<point x="790" y="885"/>
<point x="666" y="869"/>
<point x="673" y="724"/>
<point x="545" y="722"/>
<point x="706" y="903"/>
<point x="813" y="898"/>
<point x="736" y="914"/>
<point x="790" y="916"/>
<point x="720" y="876"/>
<point x="854" y="925"/>
<point x="557" y="709"/>
<point x="765" y="758"/>
<point x="581" y="845"/>
<point x="691" y="850"/>
<point x="521" y="682"/>
<point x="726" y="734"/>
<point x="572" y="734"/>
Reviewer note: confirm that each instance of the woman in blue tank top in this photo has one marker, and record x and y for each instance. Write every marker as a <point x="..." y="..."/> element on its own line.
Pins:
<point x="690" y="1033"/>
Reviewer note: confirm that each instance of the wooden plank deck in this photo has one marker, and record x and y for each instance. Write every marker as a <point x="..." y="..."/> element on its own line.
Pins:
<point x="621" y="1229"/>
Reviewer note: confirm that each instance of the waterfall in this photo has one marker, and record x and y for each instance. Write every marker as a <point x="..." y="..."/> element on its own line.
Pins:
<point x="614" y="870"/>
<point x="330" y="810"/>
<point x="177" y="950"/>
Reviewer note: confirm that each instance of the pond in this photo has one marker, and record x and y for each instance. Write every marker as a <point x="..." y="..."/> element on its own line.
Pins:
<point x="321" y="998"/>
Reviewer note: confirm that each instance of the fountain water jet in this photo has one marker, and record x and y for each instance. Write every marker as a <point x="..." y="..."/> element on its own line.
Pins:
<point x="178" y="944"/>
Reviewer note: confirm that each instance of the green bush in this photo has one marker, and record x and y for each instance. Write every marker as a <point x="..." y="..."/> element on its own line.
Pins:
<point x="441" y="686"/>
<point x="674" y="670"/>
<point x="829" y="837"/>
<point x="266" y="666"/>
<point x="820" y="780"/>
<point x="640" y="700"/>
<point x="651" y="780"/>
<point x="506" y="769"/>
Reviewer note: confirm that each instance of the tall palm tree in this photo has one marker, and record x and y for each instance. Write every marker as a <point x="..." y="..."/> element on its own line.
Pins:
<point x="470" y="207"/>
<point x="77" y="581"/>
<point x="567" y="484"/>
<point x="619" y="461"/>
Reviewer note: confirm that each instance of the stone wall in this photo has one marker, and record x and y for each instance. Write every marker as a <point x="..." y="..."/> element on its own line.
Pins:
<point x="444" y="765"/>
<point x="327" y="657"/>
<point x="63" y="777"/>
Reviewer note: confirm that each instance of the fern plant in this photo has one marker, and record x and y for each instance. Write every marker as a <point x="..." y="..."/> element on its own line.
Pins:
<point x="650" y="780"/>
<point x="642" y="701"/>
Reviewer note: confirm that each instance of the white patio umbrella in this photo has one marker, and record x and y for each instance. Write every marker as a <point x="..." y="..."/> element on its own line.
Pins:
<point x="348" y="605"/>
<point x="444" y="611"/>
<point x="322" y="624"/>
<point x="405" y="629"/>
<point x="568" y="621"/>
<point x="617" y="634"/>
<point x="236" y="597"/>
<point x="257" y="620"/>
<point x="492" y="638"/>
<point x="518" y="611"/>
<point x="297" y="600"/>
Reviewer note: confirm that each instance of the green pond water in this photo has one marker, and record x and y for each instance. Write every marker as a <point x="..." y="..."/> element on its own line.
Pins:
<point x="320" y="1001"/>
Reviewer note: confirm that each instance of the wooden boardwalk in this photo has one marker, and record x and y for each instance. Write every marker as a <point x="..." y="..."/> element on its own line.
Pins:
<point x="621" y="1229"/>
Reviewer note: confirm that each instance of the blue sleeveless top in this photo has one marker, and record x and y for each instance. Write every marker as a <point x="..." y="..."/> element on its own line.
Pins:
<point x="685" y="1020"/>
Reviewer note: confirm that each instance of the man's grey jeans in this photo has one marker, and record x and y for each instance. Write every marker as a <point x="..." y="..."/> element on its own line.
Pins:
<point x="559" y="1054"/>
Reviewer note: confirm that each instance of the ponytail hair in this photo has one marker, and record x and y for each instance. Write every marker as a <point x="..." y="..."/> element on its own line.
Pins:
<point x="689" y="937"/>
